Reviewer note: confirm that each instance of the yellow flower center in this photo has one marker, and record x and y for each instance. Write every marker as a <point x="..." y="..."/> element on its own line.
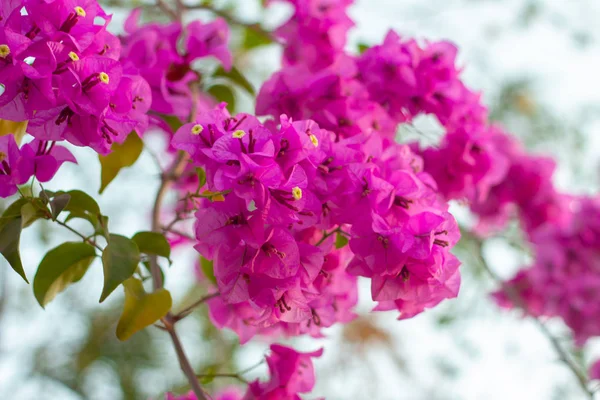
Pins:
<point x="297" y="193"/>
<point x="238" y="134"/>
<point x="4" y="50"/>
<point x="104" y="78"/>
<point x="73" y="56"/>
<point x="314" y="140"/>
<point x="80" y="11"/>
<point x="2" y="156"/>
<point x="197" y="129"/>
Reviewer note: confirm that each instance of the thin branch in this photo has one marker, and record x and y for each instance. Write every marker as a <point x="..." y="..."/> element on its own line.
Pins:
<point x="81" y="235"/>
<point x="184" y="363"/>
<point x="167" y="10"/>
<point x="167" y="180"/>
<point x="326" y="235"/>
<point x="186" y="311"/>
<point x="235" y="375"/>
<point x="518" y="301"/>
<point x="258" y="364"/>
<point x="178" y="232"/>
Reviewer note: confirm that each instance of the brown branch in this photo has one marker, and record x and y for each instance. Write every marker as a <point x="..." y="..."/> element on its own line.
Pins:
<point x="81" y="235"/>
<point x="184" y="363"/>
<point x="167" y="10"/>
<point x="236" y="375"/>
<point x="516" y="298"/>
<point x="177" y="232"/>
<point x="186" y="311"/>
<point x="167" y="180"/>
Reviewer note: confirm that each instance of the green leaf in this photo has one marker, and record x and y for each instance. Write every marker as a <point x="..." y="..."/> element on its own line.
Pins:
<point x="223" y="93"/>
<point x="152" y="243"/>
<point x="102" y="228"/>
<point x="59" y="268"/>
<point x="13" y="211"/>
<point x="254" y="39"/>
<point x="235" y="76"/>
<point x="122" y="155"/>
<point x="9" y="245"/>
<point x="45" y="196"/>
<point x="10" y="235"/>
<point x="59" y="203"/>
<point x="119" y="260"/>
<point x="340" y="241"/>
<point x="80" y="201"/>
<point x="208" y="374"/>
<point x="30" y="214"/>
<point x="82" y="215"/>
<point x="80" y="205"/>
<point x="201" y="173"/>
<point x="141" y="309"/>
<point x="208" y="269"/>
<point x="362" y="48"/>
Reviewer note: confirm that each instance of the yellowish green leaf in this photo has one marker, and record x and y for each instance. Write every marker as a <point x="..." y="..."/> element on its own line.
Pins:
<point x="122" y="155"/>
<point x="141" y="309"/>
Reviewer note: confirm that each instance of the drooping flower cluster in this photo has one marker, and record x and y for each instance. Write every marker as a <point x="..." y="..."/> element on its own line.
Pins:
<point x="316" y="32"/>
<point x="390" y="84"/>
<point x="231" y="393"/>
<point x="564" y="280"/>
<point x="38" y="158"/>
<point x="526" y="191"/>
<point x="60" y="70"/>
<point x="154" y="50"/>
<point x="290" y="373"/>
<point x="387" y="85"/>
<point x="287" y="190"/>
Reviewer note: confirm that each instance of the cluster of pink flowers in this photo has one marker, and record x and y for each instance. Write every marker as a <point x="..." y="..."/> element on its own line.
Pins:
<point x="564" y="280"/>
<point x="390" y="84"/>
<point x="38" y="158"/>
<point x="387" y="85"/>
<point x="60" y="71"/>
<point x="230" y="393"/>
<point x="525" y="191"/>
<point x="296" y="208"/>
<point x="291" y="373"/>
<point x="316" y="33"/>
<point x="287" y="190"/>
<point x="155" y="51"/>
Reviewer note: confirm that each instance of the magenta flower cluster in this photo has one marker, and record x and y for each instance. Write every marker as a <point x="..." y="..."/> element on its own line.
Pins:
<point x="291" y="373"/>
<point x="154" y="51"/>
<point x="563" y="280"/>
<point x="38" y="158"/>
<point x="297" y="207"/>
<point x="390" y="84"/>
<point x="289" y="190"/>
<point x="60" y="71"/>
